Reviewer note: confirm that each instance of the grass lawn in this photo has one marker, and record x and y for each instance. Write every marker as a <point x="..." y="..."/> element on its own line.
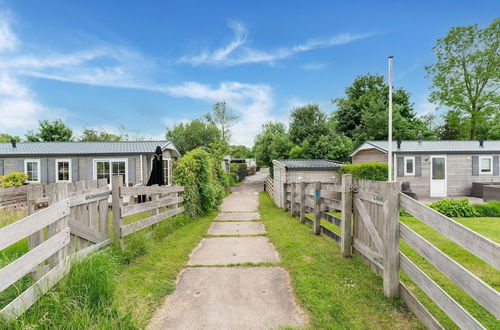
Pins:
<point x="337" y="292"/>
<point x="112" y="289"/>
<point x="488" y="227"/>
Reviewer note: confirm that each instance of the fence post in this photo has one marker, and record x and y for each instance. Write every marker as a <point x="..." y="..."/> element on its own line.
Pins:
<point x="317" y="207"/>
<point x="292" y="198"/>
<point x="391" y="240"/>
<point x="57" y="193"/>
<point x="116" y="183"/>
<point x="302" y="202"/>
<point x="283" y="196"/>
<point x="346" y="223"/>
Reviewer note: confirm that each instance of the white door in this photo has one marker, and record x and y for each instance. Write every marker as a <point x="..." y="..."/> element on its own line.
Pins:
<point x="438" y="176"/>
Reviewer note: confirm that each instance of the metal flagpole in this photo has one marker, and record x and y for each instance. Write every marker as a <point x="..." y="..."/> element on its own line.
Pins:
<point x="390" y="175"/>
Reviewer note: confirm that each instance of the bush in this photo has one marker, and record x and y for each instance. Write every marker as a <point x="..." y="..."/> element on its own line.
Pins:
<point x="490" y="209"/>
<point x="370" y="171"/>
<point x="13" y="179"/>
<point x="458" y="208"/>
<point x="204" y="183"/>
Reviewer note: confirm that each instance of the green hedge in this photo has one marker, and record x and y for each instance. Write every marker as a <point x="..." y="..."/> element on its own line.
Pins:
<point x="204" y="182"/>
<point x="490" y="209"/>
<point x="370" y="171"/>
<point x="13" y="179"/>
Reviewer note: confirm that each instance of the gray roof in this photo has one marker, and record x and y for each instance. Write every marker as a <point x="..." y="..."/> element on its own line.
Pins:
<point x="309" y="164"/>
<point x="446" y="146"/>
<point x="84" y="148"/>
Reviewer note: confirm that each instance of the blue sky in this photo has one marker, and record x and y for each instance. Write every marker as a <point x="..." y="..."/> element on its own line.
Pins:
<point x="150" y="64"/>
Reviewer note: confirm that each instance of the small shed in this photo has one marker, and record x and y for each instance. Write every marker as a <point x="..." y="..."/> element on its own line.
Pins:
<point x="302" y="170"/>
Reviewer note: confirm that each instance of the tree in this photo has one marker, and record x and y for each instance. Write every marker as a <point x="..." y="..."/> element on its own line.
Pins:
<point x="454" y="126"/>
<point x="271" y="143"/>
<point x="240" y="152"/>
<point x="92" y="134"/>
<point x="363" y="113"/>
<point x="55" y="131"/>
<point x="194" y="134"/>
<point x="223" y="118"/>
<point x="307" y="123"/>
<point x="466" y="76"/>
<point x="4" y="137"/>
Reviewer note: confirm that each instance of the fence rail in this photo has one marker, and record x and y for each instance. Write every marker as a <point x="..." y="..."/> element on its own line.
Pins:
<point x="162" y="201"/>
<point x="370" y="228"/>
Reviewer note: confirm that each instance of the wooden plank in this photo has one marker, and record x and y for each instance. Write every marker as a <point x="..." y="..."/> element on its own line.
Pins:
<point x="390" y="233"/>
<point x="331" y="219"/>
<point x="86" y="233"/>
<point x="149" y="190"/>
<point x="330" y="234"/>
<point x="418" y="309"/>
<point x="24" y="301"/>
<point x="367" y="220"/>
<point x="332" y="203"/>
<point x="82" y="254"/>
<point x="459" y="315"/>
<point x="473" y="242"/>
<point x="374" y="256"/>
<point x="317" y="205"/>
<point x="474" y="286"/>
<point x="370" y="196"/>
<point x="92" y="207"/>
<point x="24" y="264"/>
<point x="302" y="202"/>
<point x="89" y="196"/>
<point x="148" y="206"/>
<point x="32" y="223"/>
<point x="117" y="217"/>
<point x="292" y="198"/>
<point x="82" y="215"/>
<point x="133" y="227"/>
<point x="103" y="210"/>
<point x="346" y="222"/>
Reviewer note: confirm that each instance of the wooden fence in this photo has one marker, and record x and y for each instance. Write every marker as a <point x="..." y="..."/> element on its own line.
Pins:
<point x="66" y="222"/>
<point x="162" y="201"/>
<point x="370" y="229"/>
<point x="13" y="197"/>
<point x="270" y="188"/>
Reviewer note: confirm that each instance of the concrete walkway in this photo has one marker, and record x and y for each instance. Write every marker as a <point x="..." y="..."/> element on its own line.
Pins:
<point x="211" y="295"/>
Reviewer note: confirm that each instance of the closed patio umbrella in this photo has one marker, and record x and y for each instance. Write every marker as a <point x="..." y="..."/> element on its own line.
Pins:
<point x="156" y="176"/>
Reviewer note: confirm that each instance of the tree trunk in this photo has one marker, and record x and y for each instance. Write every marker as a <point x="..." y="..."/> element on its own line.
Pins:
<point x="473" y="123"/>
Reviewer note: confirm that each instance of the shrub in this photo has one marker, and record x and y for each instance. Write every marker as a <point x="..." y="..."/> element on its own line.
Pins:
<point x="370" y="171"/>
<point x="490" y="209"/>
<point x="204" y="183"/>
<point x="459" y="208"/>
<point x="13" y="179"/>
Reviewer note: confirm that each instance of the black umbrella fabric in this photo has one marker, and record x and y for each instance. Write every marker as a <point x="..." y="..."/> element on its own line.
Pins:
<point x="156" y="176"/>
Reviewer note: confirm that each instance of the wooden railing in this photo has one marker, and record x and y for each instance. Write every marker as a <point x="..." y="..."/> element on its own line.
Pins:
<point x="270" y="188"/>
<point x="162" y="201"/>
<point x="370" y="229"/>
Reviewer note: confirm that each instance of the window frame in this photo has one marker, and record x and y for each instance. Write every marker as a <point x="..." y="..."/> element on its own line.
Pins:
<point x="39" y="170"/>
<point x="490" y="158"/>
<point x="109" y="161"/>
<point x="70" y="169"/>
<point x="406" y="173"/>
<point x="169" y="164"/>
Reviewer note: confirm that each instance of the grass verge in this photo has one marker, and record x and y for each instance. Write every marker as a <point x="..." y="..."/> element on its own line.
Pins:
<point x="337" y="292"/>
<point x="113" y="289"/>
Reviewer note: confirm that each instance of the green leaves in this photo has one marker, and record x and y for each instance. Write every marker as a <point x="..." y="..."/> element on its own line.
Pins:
<point x="55" y="131"/>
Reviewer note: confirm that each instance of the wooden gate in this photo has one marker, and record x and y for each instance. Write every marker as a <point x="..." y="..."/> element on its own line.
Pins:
<point x="88" y="221"/>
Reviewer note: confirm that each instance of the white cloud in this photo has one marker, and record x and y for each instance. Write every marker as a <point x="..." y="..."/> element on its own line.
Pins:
<point x="8" y="40"/>
<point x="236" y="52"/>
<point x="314" y="67"/>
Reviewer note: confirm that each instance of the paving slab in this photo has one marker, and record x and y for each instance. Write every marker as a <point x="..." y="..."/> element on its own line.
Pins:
<point x="230" y="298"/>
<point x="242" y="216"/>
<point x="237" y="228"/>
<point x="233" y="250"/>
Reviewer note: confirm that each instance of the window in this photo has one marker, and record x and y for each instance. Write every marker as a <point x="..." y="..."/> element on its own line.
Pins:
<point x="486" y="165"/>
<point x="409" y="166"/>
<point x="63" y="170"/>
<point x="166" y="170"/>
<point x="32" y="170"/>
<point x="107" y="168"/>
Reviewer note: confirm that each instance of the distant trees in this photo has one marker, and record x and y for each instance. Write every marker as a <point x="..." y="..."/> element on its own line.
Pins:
<point x="223" y="118"/>
<point x="240" y="152"/>
<point x="466" y="78"/>
<point x="50" y="131"/>
<point x="7" y="137"/>
<point x="194" y="134"/>
<point x="99" y="134"/>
